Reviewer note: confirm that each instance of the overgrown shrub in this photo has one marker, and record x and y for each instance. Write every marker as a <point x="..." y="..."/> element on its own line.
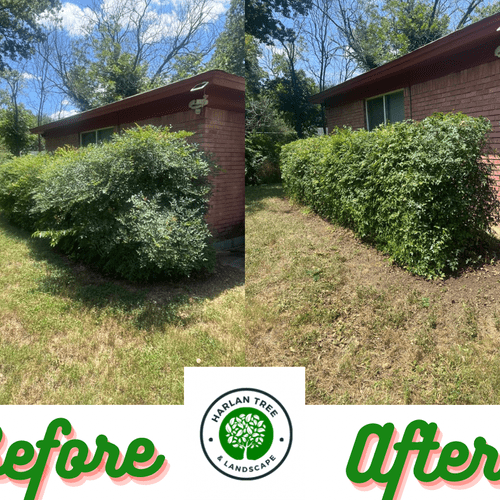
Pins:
<point x="19" y="180"/>
<point x="134" y="206"/>
<point x="419" y="191"/>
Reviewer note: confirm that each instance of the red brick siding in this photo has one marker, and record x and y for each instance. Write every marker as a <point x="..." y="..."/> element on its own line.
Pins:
<point x="52" y="143"/>
<point x="496" y="172"/>
<point x="351" y="114"/>
<point x="224" y="136"/>
<point x="474" y="91"/>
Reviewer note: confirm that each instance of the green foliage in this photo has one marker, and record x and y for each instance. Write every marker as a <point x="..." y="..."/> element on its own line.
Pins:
<point x="20" y="28"/>
<point x="19" y="180"/>
<point x="15" y="124"/>
<point x="290" y="94"/>
<point x="253" y="73"/>
<point x="261" y="18"/>
<point x="134" y="207"/>
<point x="379" y="33"/>
<point x="485" y="11"/>
<point x="103" y="72"/>
<point x="418" y="191"/>
<point x="265" y="133"/>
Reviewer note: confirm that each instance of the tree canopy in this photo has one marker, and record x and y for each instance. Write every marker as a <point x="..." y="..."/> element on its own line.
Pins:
<point x="20" y="29"/>
<point x="262" y="18"/>
<point x="229" y="52"/>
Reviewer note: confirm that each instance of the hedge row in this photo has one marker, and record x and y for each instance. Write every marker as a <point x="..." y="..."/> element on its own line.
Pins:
<point x="134" y="207"/>
<point x="419" y="191"/>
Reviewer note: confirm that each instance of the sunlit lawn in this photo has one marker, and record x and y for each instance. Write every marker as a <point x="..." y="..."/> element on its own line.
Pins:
<point x="69" y="335"/>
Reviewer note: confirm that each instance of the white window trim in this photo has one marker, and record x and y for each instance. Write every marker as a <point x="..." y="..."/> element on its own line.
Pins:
<point x="95" y="132"/>
<point x="385" y="112"/>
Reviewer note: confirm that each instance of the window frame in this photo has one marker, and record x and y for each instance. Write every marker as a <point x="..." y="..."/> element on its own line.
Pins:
<point x="95" y="134"/>
<point x="384" y="105"/>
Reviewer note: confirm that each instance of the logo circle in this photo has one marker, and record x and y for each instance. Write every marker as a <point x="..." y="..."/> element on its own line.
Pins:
<point x="246" y="434"/>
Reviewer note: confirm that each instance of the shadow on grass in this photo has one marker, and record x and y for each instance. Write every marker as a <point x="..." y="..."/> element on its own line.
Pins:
<point x="255" y="196"/>
<point x="148" y="305"/>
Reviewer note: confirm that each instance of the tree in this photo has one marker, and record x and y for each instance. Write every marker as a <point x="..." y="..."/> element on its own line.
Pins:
<point x="229" y="52"/>
<point x="291" y="87"/>
<point x="15" y="124"/>
<point x="245" y="432"/>
<point x="372" y="34"/>
<point x="129" y="46"/>
<point x="15" y="120"/>
<point x="253" y="72"/>
<point x="20" y="28"/>
<point x="262" y="18"/>
<point x="485" y="11"/>
<point x="291" y="95"/>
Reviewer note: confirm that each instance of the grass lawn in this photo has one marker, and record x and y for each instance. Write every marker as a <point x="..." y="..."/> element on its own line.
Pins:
<point x="71" y="336"/>
<point x="367" y="331"/>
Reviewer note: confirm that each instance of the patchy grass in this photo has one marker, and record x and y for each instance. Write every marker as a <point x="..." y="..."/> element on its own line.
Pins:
<point x="71" y="336"/>
<point x="366" y="331"/>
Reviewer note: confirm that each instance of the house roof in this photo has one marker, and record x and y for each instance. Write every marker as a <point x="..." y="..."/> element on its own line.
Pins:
<point x="225" y="91"/>
<point x="462" y="49"/>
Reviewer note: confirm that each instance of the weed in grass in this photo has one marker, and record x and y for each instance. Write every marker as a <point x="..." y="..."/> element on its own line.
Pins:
<point x="424" y="340"/>
<point x="470" y="323"/>
<point x="432" y="320"/>
<point x="315" y="273"/>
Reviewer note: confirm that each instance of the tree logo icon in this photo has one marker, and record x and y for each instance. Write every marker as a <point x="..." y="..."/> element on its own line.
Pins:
<point x="246" y="434"/>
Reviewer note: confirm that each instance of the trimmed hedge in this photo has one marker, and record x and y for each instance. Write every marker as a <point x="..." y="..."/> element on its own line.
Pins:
<point x="134" y="207"/>
<point x="419" y="191"/>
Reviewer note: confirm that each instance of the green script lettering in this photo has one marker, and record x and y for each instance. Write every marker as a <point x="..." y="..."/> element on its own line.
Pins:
<point x="22" y="453"/>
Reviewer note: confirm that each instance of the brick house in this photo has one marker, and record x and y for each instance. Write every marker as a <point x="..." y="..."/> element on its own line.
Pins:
<point x="459" y="72"/>
<point x="212" y="105"/>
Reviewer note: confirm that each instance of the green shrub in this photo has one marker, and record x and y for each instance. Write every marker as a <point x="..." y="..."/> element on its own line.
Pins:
<point x="419" y="191"/>
<point x="19" y="179"/>
<point x="134" y="207"/>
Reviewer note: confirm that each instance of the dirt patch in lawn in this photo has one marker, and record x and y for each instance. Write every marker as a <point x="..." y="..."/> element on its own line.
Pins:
<point x="366" y="331"/>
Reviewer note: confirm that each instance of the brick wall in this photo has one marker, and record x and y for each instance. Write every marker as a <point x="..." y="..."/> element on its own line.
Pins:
<point x="351" y="114"/>
<point x="52" y="143"/>
<point x="224" y="136"/>
<point x="474" y="91"/>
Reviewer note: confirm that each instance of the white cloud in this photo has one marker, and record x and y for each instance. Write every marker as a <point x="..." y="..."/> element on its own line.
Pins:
<point x="73" y="18"/>
<point x="29" y="76"/>
<point x="162" y="14"/>
<point x="59" y="115"/>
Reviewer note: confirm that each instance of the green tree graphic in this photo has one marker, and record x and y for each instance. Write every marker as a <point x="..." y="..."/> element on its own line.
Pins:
<point x="246" y="431"/>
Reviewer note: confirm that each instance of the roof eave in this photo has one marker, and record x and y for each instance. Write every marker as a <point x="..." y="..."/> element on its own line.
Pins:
<point x="214" y="77"/>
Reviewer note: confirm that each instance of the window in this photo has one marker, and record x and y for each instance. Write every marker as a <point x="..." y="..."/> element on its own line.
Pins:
<point x="96" y="136"/>
<point x="385" y="108"/>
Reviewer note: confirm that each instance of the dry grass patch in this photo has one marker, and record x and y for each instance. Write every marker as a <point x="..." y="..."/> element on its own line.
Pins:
<point x="368" y="332"/>
<point x="69" y="335"/>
